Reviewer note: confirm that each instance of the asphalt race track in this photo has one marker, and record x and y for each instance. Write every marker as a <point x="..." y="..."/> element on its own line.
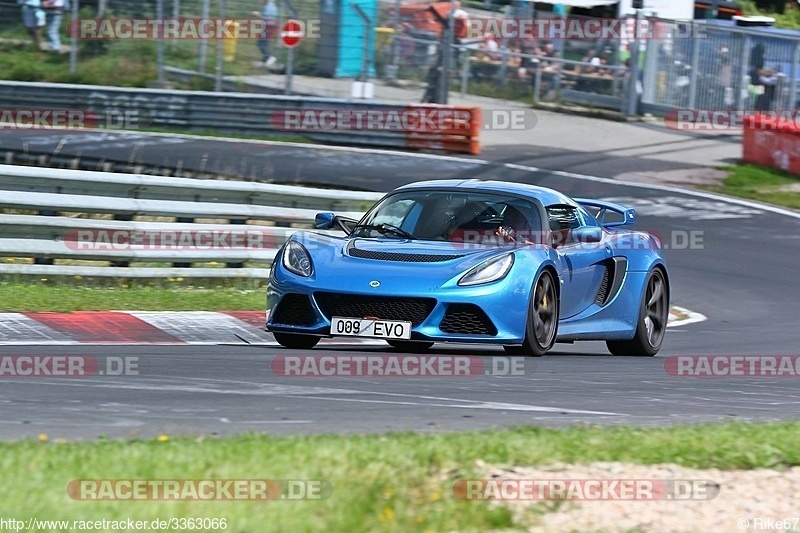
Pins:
<point x="741" y="273"/>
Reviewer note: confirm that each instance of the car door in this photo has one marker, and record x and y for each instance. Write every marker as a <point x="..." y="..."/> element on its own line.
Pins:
<point x="584" y="263"/>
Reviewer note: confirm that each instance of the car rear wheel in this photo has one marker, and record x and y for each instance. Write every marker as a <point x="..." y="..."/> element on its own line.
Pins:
<point x="410" y="346"/>
<point x="542" y="325"/>
<point x="652" y="323"/>
<point x="296" y="341"/>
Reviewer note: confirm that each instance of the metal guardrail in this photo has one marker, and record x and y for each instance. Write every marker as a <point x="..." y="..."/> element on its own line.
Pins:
<point x="239" y="113"/>
<point x="60" y="195"/>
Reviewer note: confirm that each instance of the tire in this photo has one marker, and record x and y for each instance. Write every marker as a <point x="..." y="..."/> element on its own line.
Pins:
<point x="652" y="322"/>
<point x="410" y="346"/>
<point x="542" y="323"/>
<point x="296" y="341"/>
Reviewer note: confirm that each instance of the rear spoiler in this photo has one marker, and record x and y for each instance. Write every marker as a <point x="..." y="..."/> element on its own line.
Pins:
<point x="628" y="213"/>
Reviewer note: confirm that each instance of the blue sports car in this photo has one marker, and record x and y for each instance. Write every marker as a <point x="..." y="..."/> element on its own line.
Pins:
<point x="473" y="261"/>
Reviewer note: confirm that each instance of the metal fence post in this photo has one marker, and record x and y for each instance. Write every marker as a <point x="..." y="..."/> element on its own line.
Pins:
<point x="391" y="70"/>
<point x="792" y="103"/>
<point x="465" y="63"/>
<point x="73" y="51"/>
<point x="289" y="53"/>
<point x="739" y="86"/>
<point x="204" y="12"/>
<point x="650" y="73"/>
<point x="447" y="51"/>
<point x="503" y="68"/>
<point x="160" y="42"/>
<point x="633" y="70"/>
<point x="220" y="46"/>
<point x="693" y="74"/>
<point x="365" y="45"/>
<point x="176" y="13"/>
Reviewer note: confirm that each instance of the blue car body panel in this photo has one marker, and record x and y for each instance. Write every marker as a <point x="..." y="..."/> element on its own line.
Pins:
<point x="621" y="261"/>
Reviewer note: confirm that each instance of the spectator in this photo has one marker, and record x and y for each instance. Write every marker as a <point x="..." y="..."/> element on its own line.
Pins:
<point x="270" y="16"/>
<point x="491" y="46"/>
<point x="33" y="17"/>
<point x="769" y="79"/>
<point x="460" y="22"/>
<point x="54" y="12"/>
<point x="514" y="60"/>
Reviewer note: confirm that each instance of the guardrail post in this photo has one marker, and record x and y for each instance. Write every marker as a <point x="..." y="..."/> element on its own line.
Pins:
<point x="237" y="222"/>
<point x="44" y="260"/>
<point x="121" y="264"/>
<point x="183" y="220"/>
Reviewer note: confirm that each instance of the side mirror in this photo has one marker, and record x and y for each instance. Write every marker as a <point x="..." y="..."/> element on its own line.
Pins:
<point x="587" y="234"/>
<point x="324" y="220"/>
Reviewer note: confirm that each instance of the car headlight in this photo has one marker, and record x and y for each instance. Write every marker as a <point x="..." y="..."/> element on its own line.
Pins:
<point x="297" y="260"/>
<point x="488" y="271"/>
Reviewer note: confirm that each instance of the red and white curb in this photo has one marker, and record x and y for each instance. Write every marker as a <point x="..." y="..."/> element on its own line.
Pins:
<point x="153" y="327"/>
<point x="680" y="316"/>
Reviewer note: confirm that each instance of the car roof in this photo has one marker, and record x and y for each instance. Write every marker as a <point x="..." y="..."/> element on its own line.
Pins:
<point x="543" y="194"/>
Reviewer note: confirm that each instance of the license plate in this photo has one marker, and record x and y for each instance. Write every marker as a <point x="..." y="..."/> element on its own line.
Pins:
<point x="370" y="327"/>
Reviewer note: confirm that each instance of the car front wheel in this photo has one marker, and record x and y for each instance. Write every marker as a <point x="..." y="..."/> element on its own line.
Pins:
<point x="542" y="325"/>
<point x="652" y="323"/>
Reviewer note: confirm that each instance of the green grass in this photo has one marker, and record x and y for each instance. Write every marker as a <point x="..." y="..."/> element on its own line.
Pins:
<point x="790" y="19"/>
<point x="392" y="482"/>
<point x="132" y="295"/>
<point x="761" y="183"/>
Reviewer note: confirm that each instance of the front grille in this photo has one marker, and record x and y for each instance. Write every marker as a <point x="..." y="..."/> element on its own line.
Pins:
<point x="405" y="258"/>
<point x="602" y="292"/>
<point x="294" y="310"/>
<point x="467" y="319"/>
<point x="413" y="310"/>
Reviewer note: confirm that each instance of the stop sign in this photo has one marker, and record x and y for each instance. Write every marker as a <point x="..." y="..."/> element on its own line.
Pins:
<point x="291" y="33"/>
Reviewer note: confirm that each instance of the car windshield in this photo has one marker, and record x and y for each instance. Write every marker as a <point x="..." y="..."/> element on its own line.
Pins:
<point x="451" y="216"/>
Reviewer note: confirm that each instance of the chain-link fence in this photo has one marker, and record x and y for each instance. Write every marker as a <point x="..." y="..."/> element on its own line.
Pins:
<point x="721" y="68"/>
<point x="683" y="65"/>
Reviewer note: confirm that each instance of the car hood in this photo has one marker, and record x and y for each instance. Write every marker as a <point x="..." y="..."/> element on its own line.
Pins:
<point x="348" y="264"/>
